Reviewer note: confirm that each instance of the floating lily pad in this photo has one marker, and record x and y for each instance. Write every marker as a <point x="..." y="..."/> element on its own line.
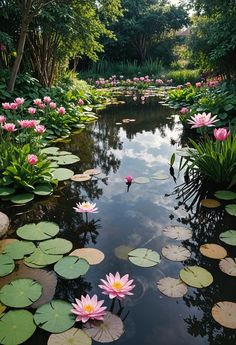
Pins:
<point x="92" y="172"/>
<point x="144" y="257"/>
<point x="177" y="232"/>
<point x="210" y="203"/>
<point x="18" y="249"/>
<point x="62" y="174"/>
<point x="20" y="293"/>
<point x="225" y="314"/>
<point x="196" y="276"/>
<point x="5" y="242"/>
<point x="80" y="178"/>
<point x="106" y="331"/>
<point x="213" y="251"/>
<point x="231" y="209"/>
<point x="141" y="180"/>
<point x="229" y="237"/>
<point x="63" y="153"/>
<point x="172" y="287"/>
<point x="102" y="176"/>
<point x="67" y="159"/>
<point x="40" y="259"/>
<point x="43" y="189"/>
<point x="175" y="253"/>
<point x="56" y="246"/>
<point x="225" y="195"/>
<point x="122" y="252"/>
<point x="5" y="191"/>
<point x="2" y="309"/>
<point x="22" y="198"/>
<point x="73" y="336"/>
<point x="38" y="232"/>
<point x="91" y="255"/>
<point x="71" y="267"/>
<point x="7" y="265"/>
<point x="54" y="317"/>
<point x="160" y="176"/>
<point x="16" y="327"/>
<point x="228" y="266"/>
<point x="52" y="150"/>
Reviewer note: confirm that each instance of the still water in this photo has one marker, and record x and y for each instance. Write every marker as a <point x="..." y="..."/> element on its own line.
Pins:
<point x="137" y="218"/>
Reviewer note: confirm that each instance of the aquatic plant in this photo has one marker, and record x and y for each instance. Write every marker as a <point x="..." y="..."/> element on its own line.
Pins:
<point x="116" y="286"/>
<point x="202" y="120"/>
<point x="88" y="308"/>
<point x="86" y="207"/>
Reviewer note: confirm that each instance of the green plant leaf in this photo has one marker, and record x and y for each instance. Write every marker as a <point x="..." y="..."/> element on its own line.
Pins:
<point x="71" y="267"/>
<point x="225" y="195"/>
<point x="18" y="249"/>
<point x="144" y="257"/>
<point x="52" y="150"/>
<point x="22" y="198"/>
<point x="43" y="189"/>
<point x="7" y="265"/>
<point x="38" y="232"/>
<point x="40" y="259"/>
<point x="73" y="336"/>
<point x="4" y="191"/>
<point x="196" y="276"/>
<point x="231" y="209"/>
<point x="62" y="174"/>
<point x="229" y="237"/>
<point x="56" y="246"/>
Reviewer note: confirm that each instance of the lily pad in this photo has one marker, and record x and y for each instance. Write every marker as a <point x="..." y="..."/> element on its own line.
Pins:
<point x="5" y="191"/>
<point x="106" y="331"/>
<point x="225" y="314"/>
<point x="210" y="203"/>
<point x="231" y="209"/>
<point x="7" y="265"/>
<point x="144" y="257"/>
<point x="56" y="246"/>
<point x="141" y="180"/>
<point x="80" y="178"/>
<point x="5" y="242"/>
<point x="40" y="259"/>
<point x="22" y="198"/>
<point x="92" y="172"/>
<point x="225" y="195"/>
<point x="177" y="232"/>
<point x="62" y="174"/>
<point x="20" y="293"/>
<point x="122" y="252"/>
<point x="228" y="266"/>
<point x="43" y="189"/>
<point x="175" y="253"/>
<point x="2" y="309"/>
<point x="52" y="150"/>
<point x="213" y="251"/>
<point x="18" y="249"/>
<point x="38" y="232"/>
<point x="67" y="159"/>
<point x="172" y="287"/>
<point x="196" y="276"/>
<point x="229" y="237"/>
<point x="71" y="267"/>
<point x="73" y="336"/>
<point x="91" y="255"/>
<point x="54" y="317"/>
<point x="16" y="327"/>
<point x="160" y="176"/>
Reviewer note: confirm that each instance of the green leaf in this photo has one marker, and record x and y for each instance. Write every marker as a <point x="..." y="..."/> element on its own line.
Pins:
<point x="4" y="191"/>
<point x="62" y="174"/>
<point x="144" y="257"/>
<point x="231" y="209"/>
<point x="7" y="265"/>
<point x="229" y="237"/>
<point x="225" y="195"/>
<point x="18" y="249"/>
<point x="71" y="267"/>
<point x="43" y="189"/>
<point x="56" y="246"/>
<point x="52" y="150"/>
<point x="196" y="276"/>
<point x="38" y="232"/>
<point x="73" y="336"/>
<point x="20" y="293"/>
<point x="54" y="317"/>
<point x="22" y="198"/>
<point x="141" y="180"/>
<point x="40" y="259"/>
<point x="16" y="327"/>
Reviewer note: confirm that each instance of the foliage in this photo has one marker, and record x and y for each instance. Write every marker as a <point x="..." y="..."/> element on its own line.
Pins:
<point x="183" y="76"/>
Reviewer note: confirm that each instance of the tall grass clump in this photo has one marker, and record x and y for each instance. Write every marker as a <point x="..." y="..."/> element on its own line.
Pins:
<point x="183" y="76"/>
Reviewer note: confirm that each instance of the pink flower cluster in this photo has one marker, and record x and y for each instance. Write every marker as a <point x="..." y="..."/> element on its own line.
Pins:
<point x="28" y="123"/>
<point x="221" y="134"/>
<point x="114" y="80"/>
<point x="47" y="102"/>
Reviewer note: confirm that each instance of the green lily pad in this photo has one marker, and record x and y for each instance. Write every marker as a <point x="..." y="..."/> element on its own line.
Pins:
<point x="196" y="276"/>
<point x="62" y="174"/>
<point x="5" y="191"/>
<point x="122" y="252"/>
<point x="40" y="259"/>
<point x="73" y="336"/>
<point x="54" y="317"/>
<point x="38" y="232"/>
<point x="7" y="265"/>
<point x="18" y="249"/>
<point x="20" y="293"/>
<point x="160" y="176"/>
<point x="56" y="246"/>
<point x="52" y="150"/>
<point x="229" y="237"/>
<point x="22" y="198"/>
<point x="43" y="189"/>
<point x="225" y="195"/>
<point x="67" y="159"/>
<point x="71" y="267"/>
<point x="16" y="326"/>
<point x="144" y="257"/>
<point x="63" y="153"/>
<point x="141" y="180"/>
<point x="231" y="209"/>
<point x="2" y="309"/>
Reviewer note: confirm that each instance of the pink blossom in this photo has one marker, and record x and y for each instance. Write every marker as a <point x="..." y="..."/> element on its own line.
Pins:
<point x="37" y="101"/>
<point x="80" y="101"/>
<point x="142" y="98"/>
<point x="19" y="101"/>
<point x="159" y="81"/>
<point x="179" y="87"/>
<point x="184" y="110"/>
<point x="61" y="110"/>
<point x="86" y="207"/>
<point x="117" y="286"/>
<point x="27" y="123"/>
<point x="32" y="159"/>
<point x="2" y="119"/>
<point x="47" y="99"/>
<point x="97" y="82"/>
<point x="141" y="78"/>
<point x="169" y="81"/>
<point x="41" y="105"/>
<point x="9" y="127"/>
<point x="6" y="106"/>
<point x="134" y="98"/>
<point x="39" y="129"/>
<point x="202" y="120"/>
<point x="221" y="134"/>
<point x="88" y="308"/>
<point x="198" y="84"/>
<point x="188" y="84"/>
<point x="14" y="106"/>
<point x="52" y="105"/>
<point x="32" y="111"/>
<point x="128" y="179"/>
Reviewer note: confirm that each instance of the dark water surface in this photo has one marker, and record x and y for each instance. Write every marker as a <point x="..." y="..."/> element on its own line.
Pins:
<point x="136" y="219"/>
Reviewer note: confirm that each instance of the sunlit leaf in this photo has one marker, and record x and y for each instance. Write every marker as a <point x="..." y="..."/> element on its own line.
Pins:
<point x="228" y="266"/>
<point x="175" y="253"/>
<point x="62" y="174"/>
<point x="38" y="232"/>
<point x="73" y="336"/>
<point x="229" y="237"/>
<point x="18" y="249"/>
<point x="213" y="251"/>
<point x="92" y="172"/>
<point x="91" y="255"/>
<point x="4" y="191"/>
<point x="80" y="178"/>
<point x="71" y="267"/>
<point x="43" y="189"/>
<point x="196" y="276"/>
<point x="231" y="209"/>
<point x="40" y="259"/>
<point x="225" y="314"/>
<point x="144" y="257"/>
<point x="172" y="287"/>
<point x="177" y="232"/>
<point x="7" y="265"/>
<point x="56" y="246"/>
<point x="22" y="198"/>
<point x="225" y="195"/>
<point x="141" y="180"/>
<point x="210" y="203"/>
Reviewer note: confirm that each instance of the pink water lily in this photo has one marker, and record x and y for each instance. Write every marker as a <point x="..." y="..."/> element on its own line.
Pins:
<point x="37" y="101"/>
<point x="32" y="159"/>
<point x="184" y="110"/>
<point x="6" y="106"/>
<point x="9" y="127"/>
<point x="128" y="179"/>
<point x="52" y="105"/>
<point x="31" y="110"/>
<point x="39" y="129"/>
<point x="14" y="106"/>
<point x="117" y="286"/>
<point x="202" y="120"/>
<point x="2" y="119"/>
<point x="86" y="207"/>
<point x="61" y="110"/>
<point x="19" y="100"/>
<point x="47" y="99"/>
<point x="88" y="308"/>
<point x="221" y="134"/>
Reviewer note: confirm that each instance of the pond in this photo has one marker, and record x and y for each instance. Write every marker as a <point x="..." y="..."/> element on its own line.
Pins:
<point x="136" y="218"/>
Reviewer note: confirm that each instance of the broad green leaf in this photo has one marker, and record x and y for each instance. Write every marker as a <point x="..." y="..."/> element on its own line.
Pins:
<point x="73" y="336"/>
<point x="43" y="189"/>
<point x="144" y="257"/>
<point x="62" y="174"/>
<point x="225" y="195"/>
<point x="56" y="246"/>
<point x="40" y="259"/>
<point x="231" y="209"/>
<point x="22" y="198"/>
<point x="71" y="267"/>
<point x="4" y="191"/>
<point x="52" y="150"/>
<point x="38" y="232"/>
<point x="7" y="265"/>
<point x="18" y="249"/>
<point x="229" y="237"/>
<point x="196" y="276"/>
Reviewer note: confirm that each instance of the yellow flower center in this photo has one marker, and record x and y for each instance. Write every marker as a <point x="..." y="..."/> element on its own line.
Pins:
<point x="88" y="308"/>
<point x="86" y="205"/>
<point x="117" y="285"/>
